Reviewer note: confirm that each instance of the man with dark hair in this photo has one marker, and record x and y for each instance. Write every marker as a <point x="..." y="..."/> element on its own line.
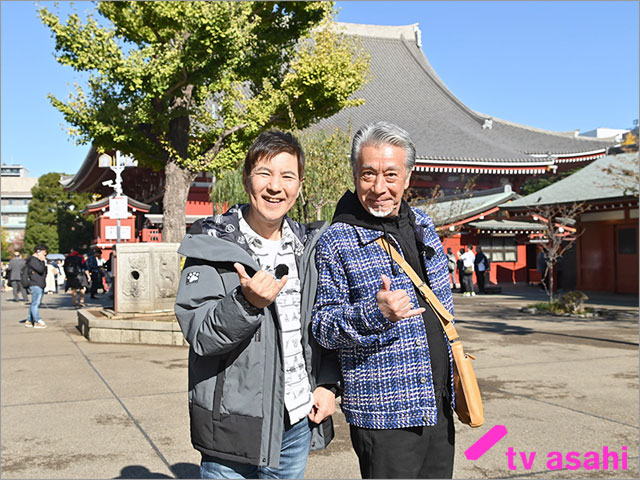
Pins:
<point x="37" y="271"/>
<point x="261" y="390"/>
<point x="15" y="267"/>
<point x="394" y="355"/>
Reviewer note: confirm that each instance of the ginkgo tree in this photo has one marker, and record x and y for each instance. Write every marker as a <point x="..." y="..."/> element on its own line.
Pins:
<point x="186" y="86"/>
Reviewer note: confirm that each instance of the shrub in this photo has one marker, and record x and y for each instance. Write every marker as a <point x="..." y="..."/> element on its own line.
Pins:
<point x="572" y="302"/>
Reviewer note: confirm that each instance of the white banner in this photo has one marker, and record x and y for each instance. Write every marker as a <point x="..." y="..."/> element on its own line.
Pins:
<point x="111" y="232"/>
<point x="118" y="207"/>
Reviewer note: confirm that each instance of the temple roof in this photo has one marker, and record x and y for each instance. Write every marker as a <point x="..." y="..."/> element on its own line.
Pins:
<point x="104" y="203"/>
<point x="506" y="226"/>
<point x="405" y="90"/>
<point x="467" y="206"/>
<point x="590" y="183"/>
<point x="137" y="182"/>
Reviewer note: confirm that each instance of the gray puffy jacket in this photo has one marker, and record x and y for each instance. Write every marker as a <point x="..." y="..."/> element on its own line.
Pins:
<point x="236" y="375"/>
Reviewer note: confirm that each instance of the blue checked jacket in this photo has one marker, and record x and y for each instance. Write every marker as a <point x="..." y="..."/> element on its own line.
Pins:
<point x="386" y="367"/>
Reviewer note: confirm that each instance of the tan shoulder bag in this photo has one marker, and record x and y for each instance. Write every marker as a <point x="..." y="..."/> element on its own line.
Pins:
<point x="468" y="398"/>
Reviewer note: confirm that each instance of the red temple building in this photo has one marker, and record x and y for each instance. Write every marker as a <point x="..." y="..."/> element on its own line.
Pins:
<point x="131" y="228"/>
<point x="508" y="228"/>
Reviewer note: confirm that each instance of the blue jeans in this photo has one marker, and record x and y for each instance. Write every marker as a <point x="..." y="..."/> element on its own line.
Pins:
<point x="293" y="458"/>
<point x="36" y="299"/>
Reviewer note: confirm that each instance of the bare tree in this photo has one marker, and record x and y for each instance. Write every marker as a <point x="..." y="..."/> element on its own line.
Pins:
<point x="445" y="211"/>
<point x="623" y="174"/>
<point x="558" y="235"/>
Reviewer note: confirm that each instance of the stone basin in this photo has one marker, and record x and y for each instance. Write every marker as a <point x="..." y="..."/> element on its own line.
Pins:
<point x="103" y="325"/>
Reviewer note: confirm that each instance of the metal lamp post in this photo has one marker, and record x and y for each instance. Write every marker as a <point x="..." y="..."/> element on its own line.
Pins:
<point x="117" y="204"/>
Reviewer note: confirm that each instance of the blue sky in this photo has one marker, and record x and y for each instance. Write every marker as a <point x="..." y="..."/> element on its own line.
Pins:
<point x="554" y="65"/>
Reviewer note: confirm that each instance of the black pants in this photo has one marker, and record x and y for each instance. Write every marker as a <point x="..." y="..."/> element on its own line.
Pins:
<point x="95" y="283"/>
<point x="17" y="287"/>
<point x="480" y="277"/>
<point x="414" y="452"/>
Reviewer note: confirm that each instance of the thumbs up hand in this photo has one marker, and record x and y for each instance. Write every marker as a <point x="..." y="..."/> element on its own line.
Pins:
<point x="394" y="305"/>
<point x="261" y="289"/>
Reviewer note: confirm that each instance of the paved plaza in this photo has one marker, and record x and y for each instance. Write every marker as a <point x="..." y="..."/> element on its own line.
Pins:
<point x="76" y="409"/>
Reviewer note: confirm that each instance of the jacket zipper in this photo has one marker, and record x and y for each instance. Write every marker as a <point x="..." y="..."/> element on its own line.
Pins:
<point x="273" y="386"/>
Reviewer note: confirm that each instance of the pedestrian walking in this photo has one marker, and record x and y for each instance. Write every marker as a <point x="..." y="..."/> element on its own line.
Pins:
<point x="451" y="266"/>
<point x="541" y="267"/>
<point x="481" y="266"/>
<point x="50" y="279"/>
<point x="77" y="277"/>
<point x="4" y="276"/>
<point x="468" y="257"/>
<point x="16" y="264"/>
<point x="94" y="270"/>
<point x="460" y="268"/>
<point x="60" y="278"/>
<point x="37" y="271"/>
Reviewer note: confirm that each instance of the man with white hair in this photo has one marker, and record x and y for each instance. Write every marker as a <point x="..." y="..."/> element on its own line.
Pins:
<point x="394" y="355"/>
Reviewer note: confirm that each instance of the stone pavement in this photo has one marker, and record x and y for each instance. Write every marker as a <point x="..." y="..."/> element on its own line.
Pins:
<point x="75" y="409"/>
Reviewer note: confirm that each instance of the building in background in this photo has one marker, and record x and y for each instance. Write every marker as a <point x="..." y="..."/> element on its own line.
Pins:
<point x="605" y="257"/>
<point x="508" y="228"/>
<point x="15" y="194"/>
<point x="603" y="132"/>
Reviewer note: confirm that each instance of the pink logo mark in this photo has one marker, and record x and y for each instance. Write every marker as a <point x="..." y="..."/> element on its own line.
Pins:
<point x="488" y="440"/>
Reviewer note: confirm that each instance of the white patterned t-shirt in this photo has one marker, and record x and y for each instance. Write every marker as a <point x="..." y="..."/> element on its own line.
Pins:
<point x="298" y="399"/>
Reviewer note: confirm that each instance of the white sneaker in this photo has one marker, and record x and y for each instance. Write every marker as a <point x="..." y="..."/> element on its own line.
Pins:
<point x="473" y="294"/>
<point x="39" y="324"/>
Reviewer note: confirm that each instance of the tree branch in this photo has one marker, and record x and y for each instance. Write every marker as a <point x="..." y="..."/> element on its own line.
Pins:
<point x="213" y="151"/>
<point x="175" y="87"/>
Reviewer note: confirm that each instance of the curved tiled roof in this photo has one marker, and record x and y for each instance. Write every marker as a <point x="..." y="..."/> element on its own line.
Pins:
<point x="405" y="90"/>
<point x="590" y="183"/>
<point x="453" y="209"/>
<point x="131" y="202"/>
<point x="507" y="226"/>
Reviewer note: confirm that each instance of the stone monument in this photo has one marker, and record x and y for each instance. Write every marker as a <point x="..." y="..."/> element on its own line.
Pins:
<point x="147" y="277"/>
<point x="146" y="283"/>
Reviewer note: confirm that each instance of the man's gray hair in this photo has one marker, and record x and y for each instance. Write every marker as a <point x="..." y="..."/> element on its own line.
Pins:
<point x="382" y="133"/>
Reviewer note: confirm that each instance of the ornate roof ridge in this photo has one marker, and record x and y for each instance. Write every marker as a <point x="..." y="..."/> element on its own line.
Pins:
<point x="570" y="134"/>
<point x="379" y="31"/>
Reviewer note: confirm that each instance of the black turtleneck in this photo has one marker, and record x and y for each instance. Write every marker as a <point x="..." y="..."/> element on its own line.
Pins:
<point x="403" y="229"/>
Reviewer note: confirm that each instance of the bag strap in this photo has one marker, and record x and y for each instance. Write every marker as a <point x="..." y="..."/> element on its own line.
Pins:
<point x="442" y="313"/>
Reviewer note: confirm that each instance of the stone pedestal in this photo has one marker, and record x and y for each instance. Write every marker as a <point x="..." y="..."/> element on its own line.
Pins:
<point x="147" y="277"/>
<point x="104" y="326"/>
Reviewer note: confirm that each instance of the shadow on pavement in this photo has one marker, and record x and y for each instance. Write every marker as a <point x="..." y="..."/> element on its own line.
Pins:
<point x="181" y="470"/>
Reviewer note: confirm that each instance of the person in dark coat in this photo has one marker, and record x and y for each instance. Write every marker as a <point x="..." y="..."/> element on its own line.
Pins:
<point x="94" y="270"/>
<point x="460" y="266"/>
<point x="15" y="266"/>
<point x="77" y="277"/>
<point x="481" y="266"/>
<point x="37" y="269"/>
